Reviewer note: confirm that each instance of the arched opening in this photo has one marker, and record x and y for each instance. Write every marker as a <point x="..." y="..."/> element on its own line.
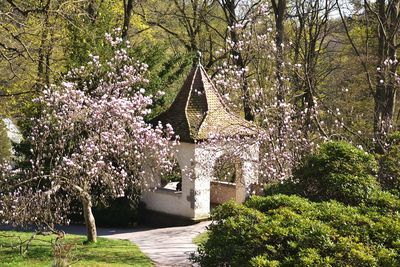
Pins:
<point x="227" y="180"/>
<point x="172" y="180"/>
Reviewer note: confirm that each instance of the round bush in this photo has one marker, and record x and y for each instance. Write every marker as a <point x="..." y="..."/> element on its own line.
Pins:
<point x="274" y="231"/>
<point x="337" y="171"/>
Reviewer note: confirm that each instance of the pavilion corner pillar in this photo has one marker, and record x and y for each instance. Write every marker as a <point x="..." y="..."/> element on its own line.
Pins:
<point x="249" y="175"/>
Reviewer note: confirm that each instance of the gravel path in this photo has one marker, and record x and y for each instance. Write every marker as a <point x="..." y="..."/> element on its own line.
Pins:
<point x="166" y="247"/>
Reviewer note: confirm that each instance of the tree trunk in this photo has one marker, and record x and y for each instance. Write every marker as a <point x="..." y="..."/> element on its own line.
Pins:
<point x="279" y="13"/>
<point x="231" y="18"/>
<point x="279" y="8"/>
<point x="238" y="61"/>
<point x="90" y="222"/>
<point x="43" y="55"/>
<point x="128" y="7"/>
<point x="386" y="85"/>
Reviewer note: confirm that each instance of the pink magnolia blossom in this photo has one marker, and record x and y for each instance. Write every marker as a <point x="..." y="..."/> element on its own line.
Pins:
<point x="91" y="139"/>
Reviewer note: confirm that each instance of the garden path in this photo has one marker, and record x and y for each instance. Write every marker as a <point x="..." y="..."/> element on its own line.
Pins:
<point x="166" y="247"/>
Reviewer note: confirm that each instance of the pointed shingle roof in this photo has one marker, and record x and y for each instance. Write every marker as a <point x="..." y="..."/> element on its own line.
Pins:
<point x="198" y="111"/>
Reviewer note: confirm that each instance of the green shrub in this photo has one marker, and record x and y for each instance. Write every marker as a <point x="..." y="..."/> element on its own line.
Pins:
<point x="337" y="171"/>
<point x="286" y="230"/>
<point x="389" y="171"/>
<point x="119" y="213"/>
<point x="265" y="204"/>
<point x="5" y="143"/>
<point x="287" y="187"/>
<point x="289" y="230"/>
<point x="234" y="232"/>
<point x="383" y="201"/>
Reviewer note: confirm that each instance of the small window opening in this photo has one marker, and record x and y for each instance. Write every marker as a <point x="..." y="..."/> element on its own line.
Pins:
<point x="173" y="179"/>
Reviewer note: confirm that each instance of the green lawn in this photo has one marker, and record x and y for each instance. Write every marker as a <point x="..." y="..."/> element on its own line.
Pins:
<point x="105" y="252"/>
<point x="201" y="238"/>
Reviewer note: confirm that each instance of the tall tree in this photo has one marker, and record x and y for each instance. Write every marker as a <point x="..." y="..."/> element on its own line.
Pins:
<point x="311" y="30"/>
<point x="230" y="9"/>
<point x="128" y="8"/>
<point x="385" y="16"/>
<point x="182" y="20"/>
<point x="280" y="9"/>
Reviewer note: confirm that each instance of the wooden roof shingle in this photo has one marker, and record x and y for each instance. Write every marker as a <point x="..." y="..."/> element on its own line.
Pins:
<point x="199" y="112"/>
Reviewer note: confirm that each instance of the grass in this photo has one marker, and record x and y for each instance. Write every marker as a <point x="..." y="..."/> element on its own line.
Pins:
<point x="106" y="252"/>
<point x="201" y="238"/>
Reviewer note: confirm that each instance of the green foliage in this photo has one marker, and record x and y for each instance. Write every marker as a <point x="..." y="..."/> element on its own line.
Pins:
<point x="341" y="172"/>
<point x="85" y="34"/>
<point x="285" y="187"/>
<point x="226" y="168"/>
<point x="286" y="230"/>
<point x="389" y="172"/>
<point x="233" y="237"/>
<point x="383" y="201"/>
<point x="337" y="171"/>
<point x="5" y="143"/>
<point x="167" y="73"/>
<point x="119" y="213"/>
<point x="200" y="239"/>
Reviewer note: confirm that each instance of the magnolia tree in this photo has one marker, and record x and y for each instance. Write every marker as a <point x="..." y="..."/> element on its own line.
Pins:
<point x="285" y="133"/>
<point x="88" y="143"/>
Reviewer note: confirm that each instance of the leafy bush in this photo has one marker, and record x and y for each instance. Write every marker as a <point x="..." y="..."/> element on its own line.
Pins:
<point x="286" y="230"/>
<point x="337" y="171"/>
<point x="389" y="172"/>
<point x="5" y="143"/>
<point x="287" y="187"/>
<point x="383" y="201"/>
<point x="341" y="172"/>
<point x="233" y="236"/>
<point x="119" y="213"/>
<point x="290" y="230"/>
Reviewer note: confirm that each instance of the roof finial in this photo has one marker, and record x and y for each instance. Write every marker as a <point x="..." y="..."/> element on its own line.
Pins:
<point x="199" y="56"/>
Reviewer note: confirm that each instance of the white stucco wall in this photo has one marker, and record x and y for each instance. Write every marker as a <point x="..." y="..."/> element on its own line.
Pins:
<point x="197" y="163"/>
<point x="207" y="155"/>
<point x="176" y="203"/>
<point x="167" y="201"/>
<point x="13" y="132"/>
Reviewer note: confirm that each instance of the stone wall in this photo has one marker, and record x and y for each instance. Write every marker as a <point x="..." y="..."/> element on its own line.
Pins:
<point x="221" y="192"/>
